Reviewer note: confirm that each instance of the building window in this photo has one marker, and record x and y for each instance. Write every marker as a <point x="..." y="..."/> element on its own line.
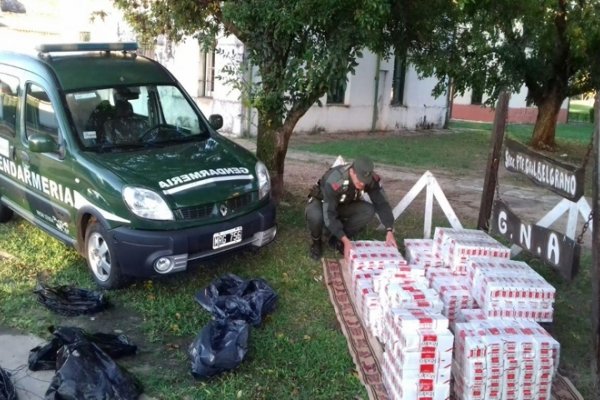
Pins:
<point x="206" y="82"/>
<point x="337" y="92"/>
<point x="476" y="95"/>
<point x="398" y="80"/>
<point x="9" y="90"/>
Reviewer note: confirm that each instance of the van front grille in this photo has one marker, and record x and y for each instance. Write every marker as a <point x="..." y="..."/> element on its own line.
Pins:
<point x="195" y="212"/>
<point x="234" y="204"/>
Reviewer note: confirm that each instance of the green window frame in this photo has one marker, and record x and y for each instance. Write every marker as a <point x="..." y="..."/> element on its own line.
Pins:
<point x="399" y="80"/>
<point x="336" y="95"/>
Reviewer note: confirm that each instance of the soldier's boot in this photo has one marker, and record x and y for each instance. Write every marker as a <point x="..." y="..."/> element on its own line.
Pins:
<point x="336" y="244"/>
<point x="316" y="249"/>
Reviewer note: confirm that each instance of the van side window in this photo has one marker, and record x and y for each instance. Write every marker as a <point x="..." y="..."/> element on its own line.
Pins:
<point x="9" y="91"/>
<point x="39" y="113"/>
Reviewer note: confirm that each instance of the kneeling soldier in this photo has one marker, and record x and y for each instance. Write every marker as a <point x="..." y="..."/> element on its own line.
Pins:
<point x="335" y="203"/>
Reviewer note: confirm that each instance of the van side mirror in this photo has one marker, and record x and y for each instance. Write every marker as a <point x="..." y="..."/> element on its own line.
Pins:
<point x="216" y="121"/>
<point x="42" y="143"/>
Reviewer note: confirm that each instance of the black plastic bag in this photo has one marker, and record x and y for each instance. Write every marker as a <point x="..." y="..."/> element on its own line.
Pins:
<point x="7" y="389"/>
<point x="220" y="346"/>
<point x="115" y="346"/>
<point x="231" y="297"/>
<point x="70" y="301"/>
<point x="261" y="297"/>
<point x="86" y="372"/>
<point x="44" y="357"/>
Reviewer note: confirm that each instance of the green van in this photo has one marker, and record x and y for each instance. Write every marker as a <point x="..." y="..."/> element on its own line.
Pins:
<point x="105" y="151"/>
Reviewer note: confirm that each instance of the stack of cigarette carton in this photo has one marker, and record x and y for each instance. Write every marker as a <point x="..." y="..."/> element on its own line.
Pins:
<point x="367" y="261"/>
<point x="510" y="289"/>
<point x="462" y="279"/>
<point x="418" y="354"/>
<point x="456" y="246"/>
<point x="400" y="276"/>
<point x="410" y="295"/>
<point x="420" y="252"/>
<point x="372" y="255"/>
<point x="455" y="293"/>
<point x="503" y="360"/>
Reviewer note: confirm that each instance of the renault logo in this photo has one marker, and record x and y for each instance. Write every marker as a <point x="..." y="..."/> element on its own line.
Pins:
<point x="223" y="209"/>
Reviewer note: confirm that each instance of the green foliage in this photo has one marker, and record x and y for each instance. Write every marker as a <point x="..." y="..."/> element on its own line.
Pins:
<point x="500" y="44"/>
<point x="548" y="46"/>
<point x="301" y="48"/>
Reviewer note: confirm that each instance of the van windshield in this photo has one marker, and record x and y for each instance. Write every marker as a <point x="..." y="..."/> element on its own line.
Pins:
<point x="128" y="117"/>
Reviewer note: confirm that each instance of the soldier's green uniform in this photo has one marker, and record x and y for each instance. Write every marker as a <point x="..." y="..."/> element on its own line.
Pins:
<point x="337" y="205"/>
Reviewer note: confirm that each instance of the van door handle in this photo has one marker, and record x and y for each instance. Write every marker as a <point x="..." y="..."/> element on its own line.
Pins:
<point x="24" y="156"/>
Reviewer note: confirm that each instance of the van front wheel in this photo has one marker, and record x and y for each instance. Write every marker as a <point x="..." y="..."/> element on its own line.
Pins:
<point x="100" y="256"/>
<point x="5" y="213"/>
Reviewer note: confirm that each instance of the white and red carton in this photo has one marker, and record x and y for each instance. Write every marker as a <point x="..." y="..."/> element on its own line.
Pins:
<point x="501" y="359"/>
<point x="404" y="274"/>
<point x="418" y="354"/>
<point x="413" y="319"/>
<point x="510" y="289"/>
<point x="454" y="291"/>
<point x="419" y="252"/>
<point x="456" y="246"/>
<point x="361" y="279"/>
<point x="367" y="255"/>
<point x="401" y="388"/>
<point x="411" y="295"/>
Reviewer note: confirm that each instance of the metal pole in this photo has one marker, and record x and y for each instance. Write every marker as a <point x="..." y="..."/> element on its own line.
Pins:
<point x="596" y="244"/>
<point x="376" y="95"/>
<point x="491" y="175"/>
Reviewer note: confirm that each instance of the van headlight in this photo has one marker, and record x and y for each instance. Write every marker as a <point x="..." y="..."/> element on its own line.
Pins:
<point x="146" y="203"/>
<point x="264" y="181"/>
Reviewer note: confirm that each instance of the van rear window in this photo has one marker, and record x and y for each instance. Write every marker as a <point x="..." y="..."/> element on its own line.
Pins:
<point x="9" y="90"/>
<point x="39" y="113"/>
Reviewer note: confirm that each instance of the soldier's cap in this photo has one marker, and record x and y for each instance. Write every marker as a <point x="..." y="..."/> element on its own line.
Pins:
<point x="363" y="167"/>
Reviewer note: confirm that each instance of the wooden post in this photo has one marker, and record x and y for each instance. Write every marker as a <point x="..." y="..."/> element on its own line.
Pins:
<point x="596" y="243"/>
<point x="491" y="174"/>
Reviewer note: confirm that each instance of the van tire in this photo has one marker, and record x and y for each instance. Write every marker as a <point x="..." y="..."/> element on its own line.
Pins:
<point x="100" y="256"/>
<point x="5" y="213"/>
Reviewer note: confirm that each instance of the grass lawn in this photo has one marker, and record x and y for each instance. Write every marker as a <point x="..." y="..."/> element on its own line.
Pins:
<point x="579" y="110"/>
<point x="299" y="351"/>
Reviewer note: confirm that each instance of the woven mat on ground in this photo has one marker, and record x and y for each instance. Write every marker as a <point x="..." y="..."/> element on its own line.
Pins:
<point x="366" y="351"/>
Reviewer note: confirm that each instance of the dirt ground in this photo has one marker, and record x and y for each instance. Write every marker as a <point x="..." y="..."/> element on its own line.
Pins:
<point x="463" y="191"/>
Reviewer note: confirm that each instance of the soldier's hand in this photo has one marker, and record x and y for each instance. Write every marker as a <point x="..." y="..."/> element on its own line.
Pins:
<point x="390" y="239"/>
<point x="347" y="245"/>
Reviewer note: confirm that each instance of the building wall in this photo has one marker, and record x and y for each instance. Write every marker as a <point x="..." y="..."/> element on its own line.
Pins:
<point x="183" y="61"/>
<point x="357" y="114"/>
<point x="518" y="112"/>
<point x="362" y="113"/>
<point x="420" y="109"/>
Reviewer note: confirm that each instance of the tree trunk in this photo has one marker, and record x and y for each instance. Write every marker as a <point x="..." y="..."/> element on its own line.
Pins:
<point x="268" y="150"/>
<point x="272" y="144"/>
<point x="545" y="125"/>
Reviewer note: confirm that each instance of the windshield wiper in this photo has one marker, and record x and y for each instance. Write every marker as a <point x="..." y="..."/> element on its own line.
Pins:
<point x="109" y="147"/>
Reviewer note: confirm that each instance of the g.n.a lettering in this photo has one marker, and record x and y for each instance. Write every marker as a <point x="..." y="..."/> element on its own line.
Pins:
<point x="36" y="181"/>
<point x="524" y="232"/>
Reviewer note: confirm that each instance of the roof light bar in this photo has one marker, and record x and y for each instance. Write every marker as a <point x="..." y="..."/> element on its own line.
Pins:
<point x="64" y="47"/>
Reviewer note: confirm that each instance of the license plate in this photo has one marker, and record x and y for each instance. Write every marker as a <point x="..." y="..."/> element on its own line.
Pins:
<point x="227" y="238"/>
